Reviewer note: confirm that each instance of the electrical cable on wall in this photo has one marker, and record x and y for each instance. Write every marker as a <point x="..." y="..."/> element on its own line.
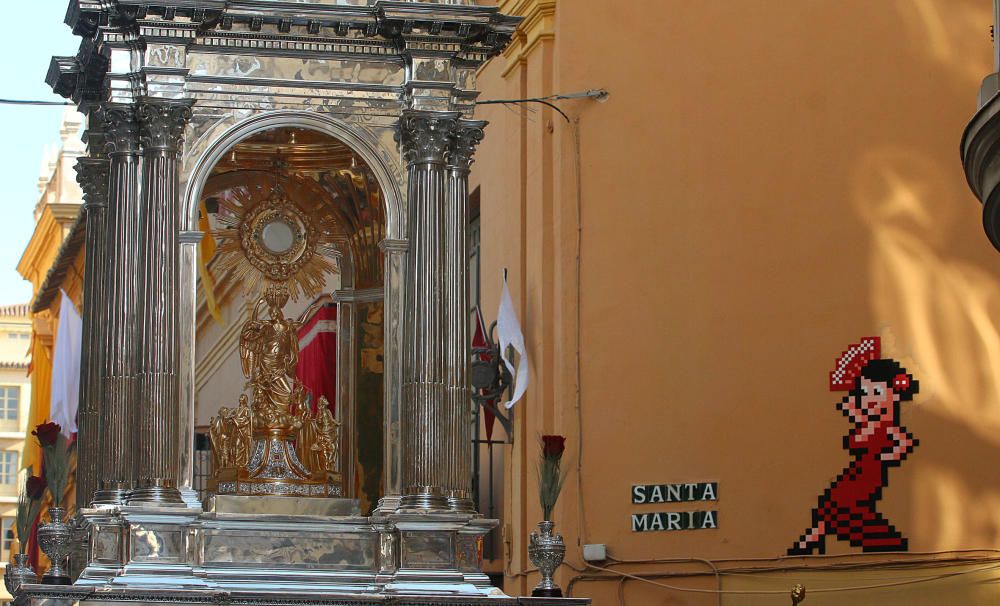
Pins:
<point x="32" y="102"/>
<point x="598" y="94"/>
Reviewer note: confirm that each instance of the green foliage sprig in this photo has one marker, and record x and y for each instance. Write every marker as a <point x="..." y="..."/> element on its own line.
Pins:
<point x="29" y="502"/>
<point x="550" y="476"/>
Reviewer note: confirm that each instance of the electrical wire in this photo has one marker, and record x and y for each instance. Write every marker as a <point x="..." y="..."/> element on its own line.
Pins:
<point x="617" y="575"/>
<point x="598" y="94"/>
<point x="29" y="102"/>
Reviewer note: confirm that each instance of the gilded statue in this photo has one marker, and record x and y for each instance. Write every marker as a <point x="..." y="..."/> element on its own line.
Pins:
<point x="230" y="432"/>
<point x="327" y="438"/>
<point x="269" y="353"/>
<point x="295" y="448"/>
<point x="318" y="438"/>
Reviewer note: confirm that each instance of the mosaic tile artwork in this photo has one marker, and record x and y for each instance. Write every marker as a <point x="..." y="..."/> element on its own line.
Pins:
<point x="877" y="441"/>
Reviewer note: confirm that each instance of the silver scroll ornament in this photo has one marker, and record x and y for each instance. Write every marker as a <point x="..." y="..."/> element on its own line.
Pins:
<point x="546" y="551"/>
<point x="55" y="539"/>
<point x="18" y="573"/>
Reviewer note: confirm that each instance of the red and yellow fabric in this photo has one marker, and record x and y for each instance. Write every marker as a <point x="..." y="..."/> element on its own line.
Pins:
<point x="318" y="355"/>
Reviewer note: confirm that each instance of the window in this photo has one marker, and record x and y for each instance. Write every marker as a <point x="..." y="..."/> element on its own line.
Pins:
<point x="8" y="537"/>
<point x="10" y="400"/>
<point x="25" y="336"/>
<point x="8" y="467"/>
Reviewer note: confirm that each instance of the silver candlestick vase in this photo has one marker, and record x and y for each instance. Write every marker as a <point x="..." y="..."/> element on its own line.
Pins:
<point x="55" y="539"/>
<point x="18" y="573"/>
<point x="546" y="551"/>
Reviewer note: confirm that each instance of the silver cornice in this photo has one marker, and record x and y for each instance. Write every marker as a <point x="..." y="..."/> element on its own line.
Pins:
<point x="157" y="420"/>
<point x="120" y="314"/>
<point x="92" y="175"/>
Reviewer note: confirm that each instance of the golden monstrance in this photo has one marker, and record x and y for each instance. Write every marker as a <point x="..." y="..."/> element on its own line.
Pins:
<point x="276" y="441"/>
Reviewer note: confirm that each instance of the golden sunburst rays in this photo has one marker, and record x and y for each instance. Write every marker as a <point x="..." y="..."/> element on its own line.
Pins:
<point x="282" y="232"/>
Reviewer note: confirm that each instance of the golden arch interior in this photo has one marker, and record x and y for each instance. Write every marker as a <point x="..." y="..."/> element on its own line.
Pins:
<point x="337" y="292"/>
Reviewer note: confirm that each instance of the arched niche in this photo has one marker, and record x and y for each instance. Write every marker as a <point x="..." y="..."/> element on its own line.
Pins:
<point x="360" y="298"/>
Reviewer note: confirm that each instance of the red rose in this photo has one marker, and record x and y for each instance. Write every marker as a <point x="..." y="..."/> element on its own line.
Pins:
<point x="553" y="446"/>
<point x="47" y="433"/>
<point x="35" y="487"/>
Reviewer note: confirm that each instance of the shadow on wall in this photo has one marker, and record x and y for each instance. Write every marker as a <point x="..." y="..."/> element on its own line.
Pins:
<point x="944" y="309"/>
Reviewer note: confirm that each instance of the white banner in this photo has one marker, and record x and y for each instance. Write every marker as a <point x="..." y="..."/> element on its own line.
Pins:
<point x="66" y="367"/>
<point x="509" y="333"/>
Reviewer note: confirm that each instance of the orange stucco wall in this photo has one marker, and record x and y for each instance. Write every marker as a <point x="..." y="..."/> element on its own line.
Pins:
<point x="768" y="182"/>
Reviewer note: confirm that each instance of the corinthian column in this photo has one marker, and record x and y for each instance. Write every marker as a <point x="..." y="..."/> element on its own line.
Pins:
<point x="156" y="432"/>
<point x="429" y="437"/>
<point x="458" y="399"/>
<point x="118" y="317"/>
<point x="92" y="175"/>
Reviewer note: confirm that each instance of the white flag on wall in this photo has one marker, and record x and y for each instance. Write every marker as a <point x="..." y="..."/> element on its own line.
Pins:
<point x="66" y="367"/>
<point x="509" y="333"/>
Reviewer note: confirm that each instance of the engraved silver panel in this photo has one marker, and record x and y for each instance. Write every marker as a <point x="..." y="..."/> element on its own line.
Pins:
<point x="158" y="544"/>
<point x="430" y="551"/>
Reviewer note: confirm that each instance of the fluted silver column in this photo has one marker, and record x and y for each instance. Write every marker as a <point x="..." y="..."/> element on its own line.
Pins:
<point x="394" y="252"/>
<point x="155" y="439"/>
<point x="92" y="175"/>
<point x="436" y="439"/>
<point x="458" y="399"/>
<point x="119" y="315"/>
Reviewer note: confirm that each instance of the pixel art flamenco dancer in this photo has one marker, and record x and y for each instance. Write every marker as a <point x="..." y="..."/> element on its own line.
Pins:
<point x="877" y="441"/>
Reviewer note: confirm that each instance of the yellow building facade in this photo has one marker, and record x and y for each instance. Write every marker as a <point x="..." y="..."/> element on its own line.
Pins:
<point x="52" y="260"/>
<point x="764" y="184"/>
<point x="15" y="396"/>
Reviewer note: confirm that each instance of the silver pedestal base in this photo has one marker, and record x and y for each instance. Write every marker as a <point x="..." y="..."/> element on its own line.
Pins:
<point x="283" y="546"/>
<point x="52" y="595"/>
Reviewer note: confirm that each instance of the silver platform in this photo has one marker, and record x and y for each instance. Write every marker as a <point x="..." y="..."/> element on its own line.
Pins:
<point x="48" y="595"/>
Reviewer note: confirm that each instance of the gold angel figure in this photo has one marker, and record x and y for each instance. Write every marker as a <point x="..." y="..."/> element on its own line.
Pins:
<point x="269" y="353"/>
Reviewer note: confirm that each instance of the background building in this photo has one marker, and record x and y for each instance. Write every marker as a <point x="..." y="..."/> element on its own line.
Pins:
<point x="53" y="260"/>
<point x="766" y="183"/>
<point x="15" y="395"/>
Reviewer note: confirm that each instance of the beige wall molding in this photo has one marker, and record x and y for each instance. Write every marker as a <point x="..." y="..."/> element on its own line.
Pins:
<point x="539" y="25"/>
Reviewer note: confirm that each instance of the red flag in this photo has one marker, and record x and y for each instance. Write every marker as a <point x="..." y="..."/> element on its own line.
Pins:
<point x="318" y="355"/>
<point x="479" y="340"/>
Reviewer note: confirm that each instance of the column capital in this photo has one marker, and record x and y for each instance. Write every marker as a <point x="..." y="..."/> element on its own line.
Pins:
<point x="163" y="124"/>
<point x="424" y="137"/>
<point x="92" y="174"/>
<point x="465" y="138"/>
<point x="121" y="129"/>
